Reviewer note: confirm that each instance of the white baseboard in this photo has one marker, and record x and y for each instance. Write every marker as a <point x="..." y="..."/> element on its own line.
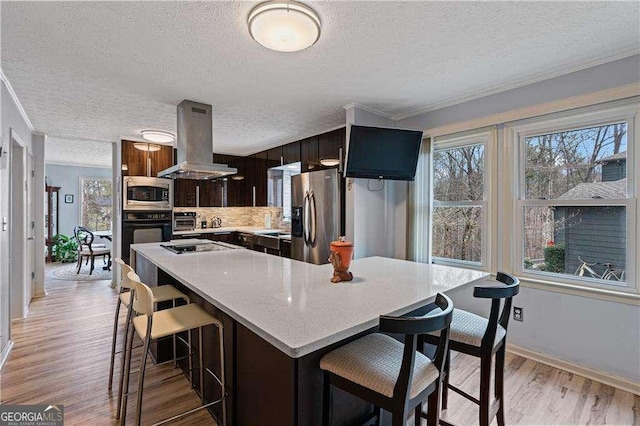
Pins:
<point x="590" y="373"/>
<point x="5" y="353"/>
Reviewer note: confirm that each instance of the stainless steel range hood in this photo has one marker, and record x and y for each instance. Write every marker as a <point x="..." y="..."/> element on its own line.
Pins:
<point x="195" y="145"/>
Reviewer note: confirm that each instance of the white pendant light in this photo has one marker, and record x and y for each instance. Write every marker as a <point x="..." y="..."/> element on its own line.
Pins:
<point x="284" y="26"/>
<point x="158" y="136"/>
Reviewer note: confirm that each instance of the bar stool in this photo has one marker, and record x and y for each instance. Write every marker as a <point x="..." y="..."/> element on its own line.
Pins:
<point x="152" y="325"/>
<point x="390" y="375"/>
<point x="474" y="335"/>
<point x="161" y="293"/>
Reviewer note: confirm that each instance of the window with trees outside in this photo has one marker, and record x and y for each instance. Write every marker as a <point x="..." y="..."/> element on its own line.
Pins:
<point x="460" y="194"/>
<point x="575" y="201"/>
<point x="96" y="198"/>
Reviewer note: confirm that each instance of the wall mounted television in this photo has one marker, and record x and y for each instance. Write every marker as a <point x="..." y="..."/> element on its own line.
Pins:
<point x="382" y="153"/>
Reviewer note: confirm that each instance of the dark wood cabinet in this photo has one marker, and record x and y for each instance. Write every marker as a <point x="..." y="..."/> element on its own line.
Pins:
<point x="52" y="204"/>
<point x="211" y="193"/>
<point x="274" y="157"/>
<point x="291" y="152"/>
<point x="256" y="182"/>
<point x="331" y="147"/>
<point x="225" y="237"/>
<point x="249" y="187"/>
<point x="144" y="162"/>
<point x="309" y="154"/>
<point x="184" y="192"/>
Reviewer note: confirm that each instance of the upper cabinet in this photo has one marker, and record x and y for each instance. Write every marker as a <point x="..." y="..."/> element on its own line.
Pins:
<point x="274" y="157"/>
<point x="250" y="186"/>
<point x="198" y="193"/>
<point x="144" y="162"/>
<point x="309" y="154"/>
<point x="291" y="153"/>
<point x="331" y="148"/>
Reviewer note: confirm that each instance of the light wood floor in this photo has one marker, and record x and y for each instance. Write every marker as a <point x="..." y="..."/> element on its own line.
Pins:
<point x="61" y="356"/>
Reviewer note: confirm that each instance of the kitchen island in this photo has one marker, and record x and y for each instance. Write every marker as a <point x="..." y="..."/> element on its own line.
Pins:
<point x="281" y="316"/>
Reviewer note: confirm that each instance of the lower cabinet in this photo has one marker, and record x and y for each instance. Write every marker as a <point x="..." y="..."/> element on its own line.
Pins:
<point x="225" y="237"/>
<point x="285" y="248"/>
<point x="243" y="239"/>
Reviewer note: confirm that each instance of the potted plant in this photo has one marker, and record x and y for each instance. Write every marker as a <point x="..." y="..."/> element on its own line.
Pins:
<point x="64" y="248"/>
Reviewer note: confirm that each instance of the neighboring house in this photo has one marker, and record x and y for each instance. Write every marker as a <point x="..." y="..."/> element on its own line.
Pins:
<point x="598" y="234"/>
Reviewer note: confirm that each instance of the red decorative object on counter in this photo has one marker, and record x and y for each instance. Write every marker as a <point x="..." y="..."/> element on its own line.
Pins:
<point x="340" y="258"/>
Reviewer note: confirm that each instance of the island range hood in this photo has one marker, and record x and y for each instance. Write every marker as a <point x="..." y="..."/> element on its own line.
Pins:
<point x="195" y="145"/>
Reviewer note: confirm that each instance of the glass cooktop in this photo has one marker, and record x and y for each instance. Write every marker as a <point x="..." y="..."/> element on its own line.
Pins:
<point x="179" y="248"/>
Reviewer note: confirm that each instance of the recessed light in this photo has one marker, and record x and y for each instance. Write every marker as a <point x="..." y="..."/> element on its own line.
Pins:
<point x="284" y="26"/>
<point x="237" y="177"/>
<point x="158" y="136"/>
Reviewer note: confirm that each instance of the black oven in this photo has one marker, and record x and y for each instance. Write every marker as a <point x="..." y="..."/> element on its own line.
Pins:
<point x="144" y="227"/>
<point x="146" y="193"/>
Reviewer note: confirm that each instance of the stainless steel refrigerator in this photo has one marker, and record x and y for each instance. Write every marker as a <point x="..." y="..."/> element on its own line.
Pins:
<point x="315" y="215"/>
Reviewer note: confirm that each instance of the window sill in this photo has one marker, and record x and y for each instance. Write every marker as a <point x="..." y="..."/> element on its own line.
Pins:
<point x="628" y="298"/>
<point x="459" y="264"/>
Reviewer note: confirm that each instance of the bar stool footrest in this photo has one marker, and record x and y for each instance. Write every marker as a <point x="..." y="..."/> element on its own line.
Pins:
<point x="188" y="413"/>
<point x="464" y="394"/>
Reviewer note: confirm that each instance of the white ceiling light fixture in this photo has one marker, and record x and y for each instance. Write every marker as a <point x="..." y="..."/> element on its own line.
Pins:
<point x="330" y="162"/>
<point x="158" y="136"/>
<point x="148" y="147"/>
<point x="284" y="26"/>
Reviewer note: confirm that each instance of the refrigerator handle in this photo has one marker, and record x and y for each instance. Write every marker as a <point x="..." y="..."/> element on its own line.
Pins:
<point x="312" y="205"/>
<point x="305" y="218"/>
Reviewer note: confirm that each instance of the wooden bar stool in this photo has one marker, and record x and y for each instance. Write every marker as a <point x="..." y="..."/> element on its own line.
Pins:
<point x="163" y="293"/>
<point x="474" y="335"/>
<point x="152" y="325"/>
<point x="390" y="375"/>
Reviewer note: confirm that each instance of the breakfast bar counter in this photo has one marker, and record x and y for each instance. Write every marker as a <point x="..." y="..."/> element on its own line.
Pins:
<point x="281" y="316"/>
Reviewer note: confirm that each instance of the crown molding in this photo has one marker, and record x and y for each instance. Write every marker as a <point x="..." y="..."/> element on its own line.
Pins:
<point x="16" y="100"/>
<point x="547" y="75"/>
<point x="69" y="163"/>
<point x="368" y="109"/>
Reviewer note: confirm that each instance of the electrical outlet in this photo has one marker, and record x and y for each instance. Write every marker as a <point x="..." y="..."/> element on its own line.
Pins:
<point x="518" y="314"/>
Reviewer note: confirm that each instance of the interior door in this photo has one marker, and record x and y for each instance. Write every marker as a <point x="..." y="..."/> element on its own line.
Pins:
<point x="31" y="254"/>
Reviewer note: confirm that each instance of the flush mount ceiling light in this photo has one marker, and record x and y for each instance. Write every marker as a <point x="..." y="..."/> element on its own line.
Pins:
<point x="330" y="162"/>
<point x="237" y="177"/>
<point x="284" y="26"/>
<point x="158" y="136"/>
<point x="149" y="147"/>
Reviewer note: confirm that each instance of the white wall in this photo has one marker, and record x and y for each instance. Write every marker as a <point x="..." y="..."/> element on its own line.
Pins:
<point x="68" y="179"/>
<point x="599" y="334"/>
<point x="376" y="221"/>
<point x="10" y="118"/>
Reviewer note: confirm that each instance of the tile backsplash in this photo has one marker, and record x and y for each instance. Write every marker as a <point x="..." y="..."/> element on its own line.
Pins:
<point x="238" y="216"/>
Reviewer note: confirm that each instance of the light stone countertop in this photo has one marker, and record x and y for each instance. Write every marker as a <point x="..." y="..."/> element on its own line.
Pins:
<point x="293" y="305"/>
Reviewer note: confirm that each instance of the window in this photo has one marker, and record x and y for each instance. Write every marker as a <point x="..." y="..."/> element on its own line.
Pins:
<point x="459" y="220"/>
<point x="575" y="205"/>
<point x="96" y="198"/>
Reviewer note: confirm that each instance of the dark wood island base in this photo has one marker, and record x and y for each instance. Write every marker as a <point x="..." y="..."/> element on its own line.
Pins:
<point x="265" y="386"/>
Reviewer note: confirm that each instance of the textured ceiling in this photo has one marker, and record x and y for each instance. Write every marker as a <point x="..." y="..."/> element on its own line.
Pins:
<point x="99" y="71"/>
<point x="77" y="152"/>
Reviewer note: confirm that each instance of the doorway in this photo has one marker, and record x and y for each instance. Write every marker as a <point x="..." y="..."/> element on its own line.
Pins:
<point x="20" y="260"/>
